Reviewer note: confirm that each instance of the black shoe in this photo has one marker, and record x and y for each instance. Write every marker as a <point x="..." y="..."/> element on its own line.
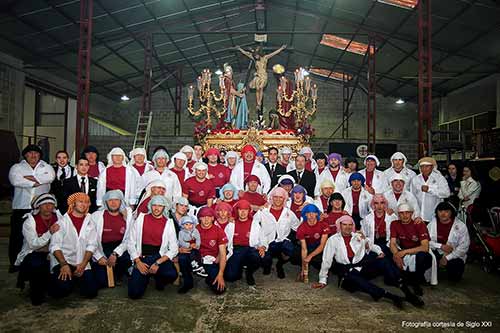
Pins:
<point x="280" y="271"/>
<point x="418" y="290"/>
<point x="250" y="279"/>
<point x="396" y="300"/>
<point x="184" y="290"/>
<point x="414" y="300"/>
<point x="267" y="270"/>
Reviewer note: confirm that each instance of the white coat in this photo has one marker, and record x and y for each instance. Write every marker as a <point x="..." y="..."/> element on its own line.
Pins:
<point x="132" y="185"/>
<point x="379" y="182"/>
<point x="31" y="241"/>
<point x="405" y="197"/>
<point x="469" y="188"/>
<point x="272" y="230"/>
<point x="97" y="219"/>
<point x="24" y="192"/>
<point x="258" y="170"/>
<point x="364" y="201"/>
<point x="341" y="183"/>
<point x="427" y="201"/>
<point x="335" y="249"/>
<point x="253" y="238"/>
<point x="72" y="244"/>
<point x="169" y="246"/>
<point x="406" y="173"/>
<point x="171" y="180"/>
<point x="458" y="239"/>
<point x="368" y="226"/>
<point x="319" y="203"/>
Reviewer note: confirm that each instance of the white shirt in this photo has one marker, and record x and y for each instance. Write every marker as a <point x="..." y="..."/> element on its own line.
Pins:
<point x="97" y="219"/>
<point x="272" y="230"/>
<point x="379" y="182"/>
<point x="405" y="197"/>
<point x="24" y="192"/>
<point x="79" y="178"/>
<point x="406" y="173"/>
<point x="458" y="239"/>
<point x="72" y="244"/>
<point x="368" y="228"/>
<point x="258" y="170"/>
<point x="171" y="180"/>
<point x="364" y="201"/>
<point x="341" y="182"/>
<point x="427" y="201"/>
<point x="469" y="188"/>
<point x="132" y="184"/>
<point x="69" y="172"/>
<point x="168" y="246"/>
<point x="335" y="249"/>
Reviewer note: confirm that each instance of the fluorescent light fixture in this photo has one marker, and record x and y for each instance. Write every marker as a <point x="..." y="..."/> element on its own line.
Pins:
<point x="125" y="98"/>
<point x="405" y="4"/>
<point x="218" y="72"/>
<point x="400" y="101"/>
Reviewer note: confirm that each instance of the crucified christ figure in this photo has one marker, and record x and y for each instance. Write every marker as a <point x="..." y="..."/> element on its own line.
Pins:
<point x="259" y="81"/>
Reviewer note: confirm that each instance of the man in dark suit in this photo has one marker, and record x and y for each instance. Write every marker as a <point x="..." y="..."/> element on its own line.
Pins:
<point x="303" y="177"/>
<point x="81" y="182"/>
<point x="274" y="169"/>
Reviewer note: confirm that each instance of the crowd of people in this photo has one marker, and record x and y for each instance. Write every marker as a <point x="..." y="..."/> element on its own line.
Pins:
<point x="224" y="215"/>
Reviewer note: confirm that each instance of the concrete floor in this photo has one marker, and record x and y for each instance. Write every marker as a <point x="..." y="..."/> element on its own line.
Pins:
<point x="272" y="306"/>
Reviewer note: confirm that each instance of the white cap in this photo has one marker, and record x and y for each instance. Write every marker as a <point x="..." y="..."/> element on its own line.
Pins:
<point x="405" y="207"/>
<point x="200" y="166"/>
<point x="305" y="150"/>
<point x="181" y="201"/>
<point x="373" y="157"/>
<point x="286" y="150"/>
<point x="180" y="156"/>
<point x="397" y="176"/>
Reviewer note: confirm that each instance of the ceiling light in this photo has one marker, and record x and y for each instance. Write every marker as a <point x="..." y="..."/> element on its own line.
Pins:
<point x="125" y="98"/>
<point x="218" y="72"/>
<point x="400" y="101"/>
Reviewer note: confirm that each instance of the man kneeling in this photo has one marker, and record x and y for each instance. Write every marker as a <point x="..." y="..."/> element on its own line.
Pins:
<point x="152" y="246"/>
<point x="354" y="267"/>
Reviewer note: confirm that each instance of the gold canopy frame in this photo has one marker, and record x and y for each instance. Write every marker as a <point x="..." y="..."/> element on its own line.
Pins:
<point x="261" y="139"/>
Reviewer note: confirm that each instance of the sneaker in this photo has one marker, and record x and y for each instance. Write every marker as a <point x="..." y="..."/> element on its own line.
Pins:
<point x="201" y="273"/>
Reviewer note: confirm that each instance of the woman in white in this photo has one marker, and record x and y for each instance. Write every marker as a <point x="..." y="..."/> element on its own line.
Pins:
<point x="469" y="188"/>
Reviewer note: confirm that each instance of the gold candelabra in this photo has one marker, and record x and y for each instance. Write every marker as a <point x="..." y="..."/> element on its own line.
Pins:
<point x="303" y="97"/>
<point x="208" y="98"/>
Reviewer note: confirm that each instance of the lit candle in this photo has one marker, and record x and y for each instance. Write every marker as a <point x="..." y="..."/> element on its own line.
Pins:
<point x="314" y="91"/>
<point x="190" y="92"/>
<point x="221" y="82"/>
<point x="278" y="95"/>
<point x="199" y="82"/>
<point x="308" y="84"/>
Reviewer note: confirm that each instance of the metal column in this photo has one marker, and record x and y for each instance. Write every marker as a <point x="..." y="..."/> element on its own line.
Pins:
<point x="345" y="105"/>
<point x="371" y="97"/>
<point x="83" y="75"/>
<point x="424" y="73"/>
<point x="178" y="104"/>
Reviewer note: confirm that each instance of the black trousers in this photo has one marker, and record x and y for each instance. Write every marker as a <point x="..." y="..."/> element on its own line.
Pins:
<point x="35" y="268"/>
<point x="454" y="268"/>
<point x="16" y="233"/>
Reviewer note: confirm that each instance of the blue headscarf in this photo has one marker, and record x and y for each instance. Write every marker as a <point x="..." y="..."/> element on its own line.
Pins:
<point x="310" y="208"/>
<point x="298" y="189"/>
<point x="228" y="187"/>
<point x="357" y="176"/>
<point x="162" y="201"/>
<point x="114" y="194"/>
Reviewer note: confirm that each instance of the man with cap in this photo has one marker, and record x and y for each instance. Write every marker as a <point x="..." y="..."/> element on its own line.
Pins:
<point x="218" y="173"/>
<point x="113" y="224"/>
<point x="155" y="187"/>
<point x="119" y="176"/>
<point x="355" y="267"/>
<point x="377" y="225"/>
<point x="410" y="248"/>
<point x="199" y="190"/>
<point x="213" y="253"/>
<point x="257" y="200"/>
<point x="357" y="199"/>
<point x="285" y="159"/>
<point x="429" y="187"/>
<point x="190" y="160"/>
<point x="138" y="159"/>
<point x="244" y="241"/>
<point x="71" y="250"/>
<point x="449" y="240"/>
<point x="161" y="171"/>
<point x="152" y="246"/>
<point x="375" y="181"/>
<point x="326" y="188"/>
<point x="312" y="235"/>
<point x="334" y="173"/>
<point x="273" y="167"/>
<point x="398" y="167"/>
<point x="276" y="222"/>
<point x="30" y="178"/>
<point x="33" y="263"/>
<point x="302" y="176"/>
<point x="80" y="182"/>
<point x="95" y="166"/>
<point x="178" y="166"/>
<point x="398" y="194"/>
<point x="248" y="166"/>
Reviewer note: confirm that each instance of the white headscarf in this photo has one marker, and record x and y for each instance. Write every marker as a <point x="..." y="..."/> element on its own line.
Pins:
<point x="399" y="156"/>
<point x="160" y="153"/>
<point x="138" y="151"/>
<point x="117" y="151"/>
